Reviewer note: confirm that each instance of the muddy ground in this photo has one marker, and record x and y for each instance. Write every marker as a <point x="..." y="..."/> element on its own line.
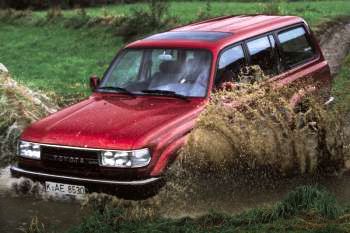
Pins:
<point x="335" y="43"/>
<point x="223" y="196"/>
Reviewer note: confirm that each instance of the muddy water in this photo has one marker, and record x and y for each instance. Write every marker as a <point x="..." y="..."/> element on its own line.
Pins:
<point x="17" y="211"/>
<point x="232" y="198"/>
<point x="209" y="194"/>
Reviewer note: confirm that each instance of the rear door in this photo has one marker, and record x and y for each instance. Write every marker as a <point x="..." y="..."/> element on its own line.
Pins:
<point x="302" y="62"/>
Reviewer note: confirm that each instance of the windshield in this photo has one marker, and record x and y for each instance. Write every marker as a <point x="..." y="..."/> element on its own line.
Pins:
<point x="143" y="71"/>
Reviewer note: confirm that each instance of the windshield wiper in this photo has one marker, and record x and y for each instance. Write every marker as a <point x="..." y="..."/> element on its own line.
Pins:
<point x="165" y="93"/>
<point x="117" y="89"/>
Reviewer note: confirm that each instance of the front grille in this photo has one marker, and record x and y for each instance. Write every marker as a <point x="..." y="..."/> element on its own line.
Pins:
<point x="57" y="157"/>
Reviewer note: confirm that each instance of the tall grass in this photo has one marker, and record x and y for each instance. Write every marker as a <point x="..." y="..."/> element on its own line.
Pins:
<point x="35" y="226"/>
<point x="156" y="17"/>
<point x="293" y="212"/>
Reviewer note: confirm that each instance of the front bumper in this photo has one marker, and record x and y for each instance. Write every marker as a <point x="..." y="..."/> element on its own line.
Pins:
<point x="40" y="176"/>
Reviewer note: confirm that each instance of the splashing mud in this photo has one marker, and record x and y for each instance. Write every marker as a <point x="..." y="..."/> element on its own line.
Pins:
<point x="22" y="199"/>
<point x="254" y="128"/>
<point x="18" y="107"/>
<point x="249" y="148"/>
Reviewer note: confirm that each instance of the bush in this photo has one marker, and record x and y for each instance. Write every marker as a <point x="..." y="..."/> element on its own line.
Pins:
<point x="9" y="15"/>
<point x="206" y="13"/>
<point x="53" y="13"/>
<point x="145" y="21"/>
<point x="273" y="7"/>
<point x="44" y="4"/>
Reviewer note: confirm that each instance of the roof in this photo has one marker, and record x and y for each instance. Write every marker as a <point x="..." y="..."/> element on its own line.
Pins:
<point x="232" y="27"/>
<point x="189" y="35"/>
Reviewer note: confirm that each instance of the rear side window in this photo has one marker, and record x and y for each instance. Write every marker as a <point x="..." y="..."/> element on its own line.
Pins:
<point x="263" y="53"/>
<point x="230" y="63"/>
<point x="295" y="46"/>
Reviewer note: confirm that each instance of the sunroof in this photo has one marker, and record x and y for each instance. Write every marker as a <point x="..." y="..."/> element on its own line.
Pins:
<point x="206" y="36"/>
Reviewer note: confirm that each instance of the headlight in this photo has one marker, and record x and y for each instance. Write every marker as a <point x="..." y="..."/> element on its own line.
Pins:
<point x="126" y="159"/>
<point x="29" y="150"/>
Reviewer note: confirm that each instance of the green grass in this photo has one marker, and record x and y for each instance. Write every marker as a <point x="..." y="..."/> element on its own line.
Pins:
<point x="341" y="85"/>
<point x="57" y="59"/>
<point x="312" y="11"/>
<point x="306" y="209"/>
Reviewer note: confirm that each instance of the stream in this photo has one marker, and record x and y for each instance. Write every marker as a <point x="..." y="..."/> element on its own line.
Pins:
<point x="59" y="214"/>
<point x="16" y="212"/>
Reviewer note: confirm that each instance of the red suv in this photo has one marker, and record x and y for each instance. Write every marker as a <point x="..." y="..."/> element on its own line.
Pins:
<point x="131" y="128"/>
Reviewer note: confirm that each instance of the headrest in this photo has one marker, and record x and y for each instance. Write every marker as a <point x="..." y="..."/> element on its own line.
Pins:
<point x="169" y="67"/>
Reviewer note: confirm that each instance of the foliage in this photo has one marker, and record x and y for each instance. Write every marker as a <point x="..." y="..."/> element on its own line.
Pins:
<point x="142" y="22"/>
<point x="341" y="86"/>
<point x="43" y="4"/>
<point x="53" y="13"/>
<point x="10" y="15"/>
<point x="206" y="13"/>
<point x="65" y="64"/>
<point x="35" y="226"/>
<point x="273" y="7"/>
<point x="306" y="209"/>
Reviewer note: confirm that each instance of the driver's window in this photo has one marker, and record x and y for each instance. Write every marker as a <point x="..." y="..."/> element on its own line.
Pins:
<point x="128" y="68"/>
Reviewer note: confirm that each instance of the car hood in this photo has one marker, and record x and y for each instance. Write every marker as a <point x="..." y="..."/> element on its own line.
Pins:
<point x="113" y="121"/>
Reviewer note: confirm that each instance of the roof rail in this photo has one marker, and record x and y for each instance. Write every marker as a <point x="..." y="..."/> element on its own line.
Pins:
<point x="214" y="19"/>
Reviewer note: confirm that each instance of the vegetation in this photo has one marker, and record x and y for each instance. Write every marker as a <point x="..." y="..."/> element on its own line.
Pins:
<point x="341" y="86"/>
<point x="143" y="22"/>
<point x="42" y="4"/>
<point x="306" y="209"/>
<point x="59" y="49"/>
<point x="56" y="60"/>
<point x="313" y="11"/>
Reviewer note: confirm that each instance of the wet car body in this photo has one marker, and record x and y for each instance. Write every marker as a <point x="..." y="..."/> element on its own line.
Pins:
<point x="71" y="142"/>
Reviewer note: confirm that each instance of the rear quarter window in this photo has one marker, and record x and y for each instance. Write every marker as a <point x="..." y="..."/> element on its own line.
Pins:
<point x="296" y="47"/>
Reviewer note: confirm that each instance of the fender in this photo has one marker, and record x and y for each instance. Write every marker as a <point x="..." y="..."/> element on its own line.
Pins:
<point x="168" y="155"/>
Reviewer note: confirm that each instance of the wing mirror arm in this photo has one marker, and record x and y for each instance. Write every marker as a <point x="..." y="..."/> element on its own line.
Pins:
<point x="94" y="82"/>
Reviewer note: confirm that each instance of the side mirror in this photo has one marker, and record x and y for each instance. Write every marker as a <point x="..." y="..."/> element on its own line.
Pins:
<point x="94" y="82"/>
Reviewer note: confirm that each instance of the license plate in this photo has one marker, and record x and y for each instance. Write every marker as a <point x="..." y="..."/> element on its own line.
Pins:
<point x="59" y="188"/>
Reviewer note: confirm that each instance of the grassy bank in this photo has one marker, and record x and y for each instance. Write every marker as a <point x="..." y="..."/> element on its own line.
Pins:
<point x="312" y="11"/>
<point x="56" y="59"/>
<point x="57" y="56"/>
<point x="306" y="209"/>
<point x="341" y="85"/>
